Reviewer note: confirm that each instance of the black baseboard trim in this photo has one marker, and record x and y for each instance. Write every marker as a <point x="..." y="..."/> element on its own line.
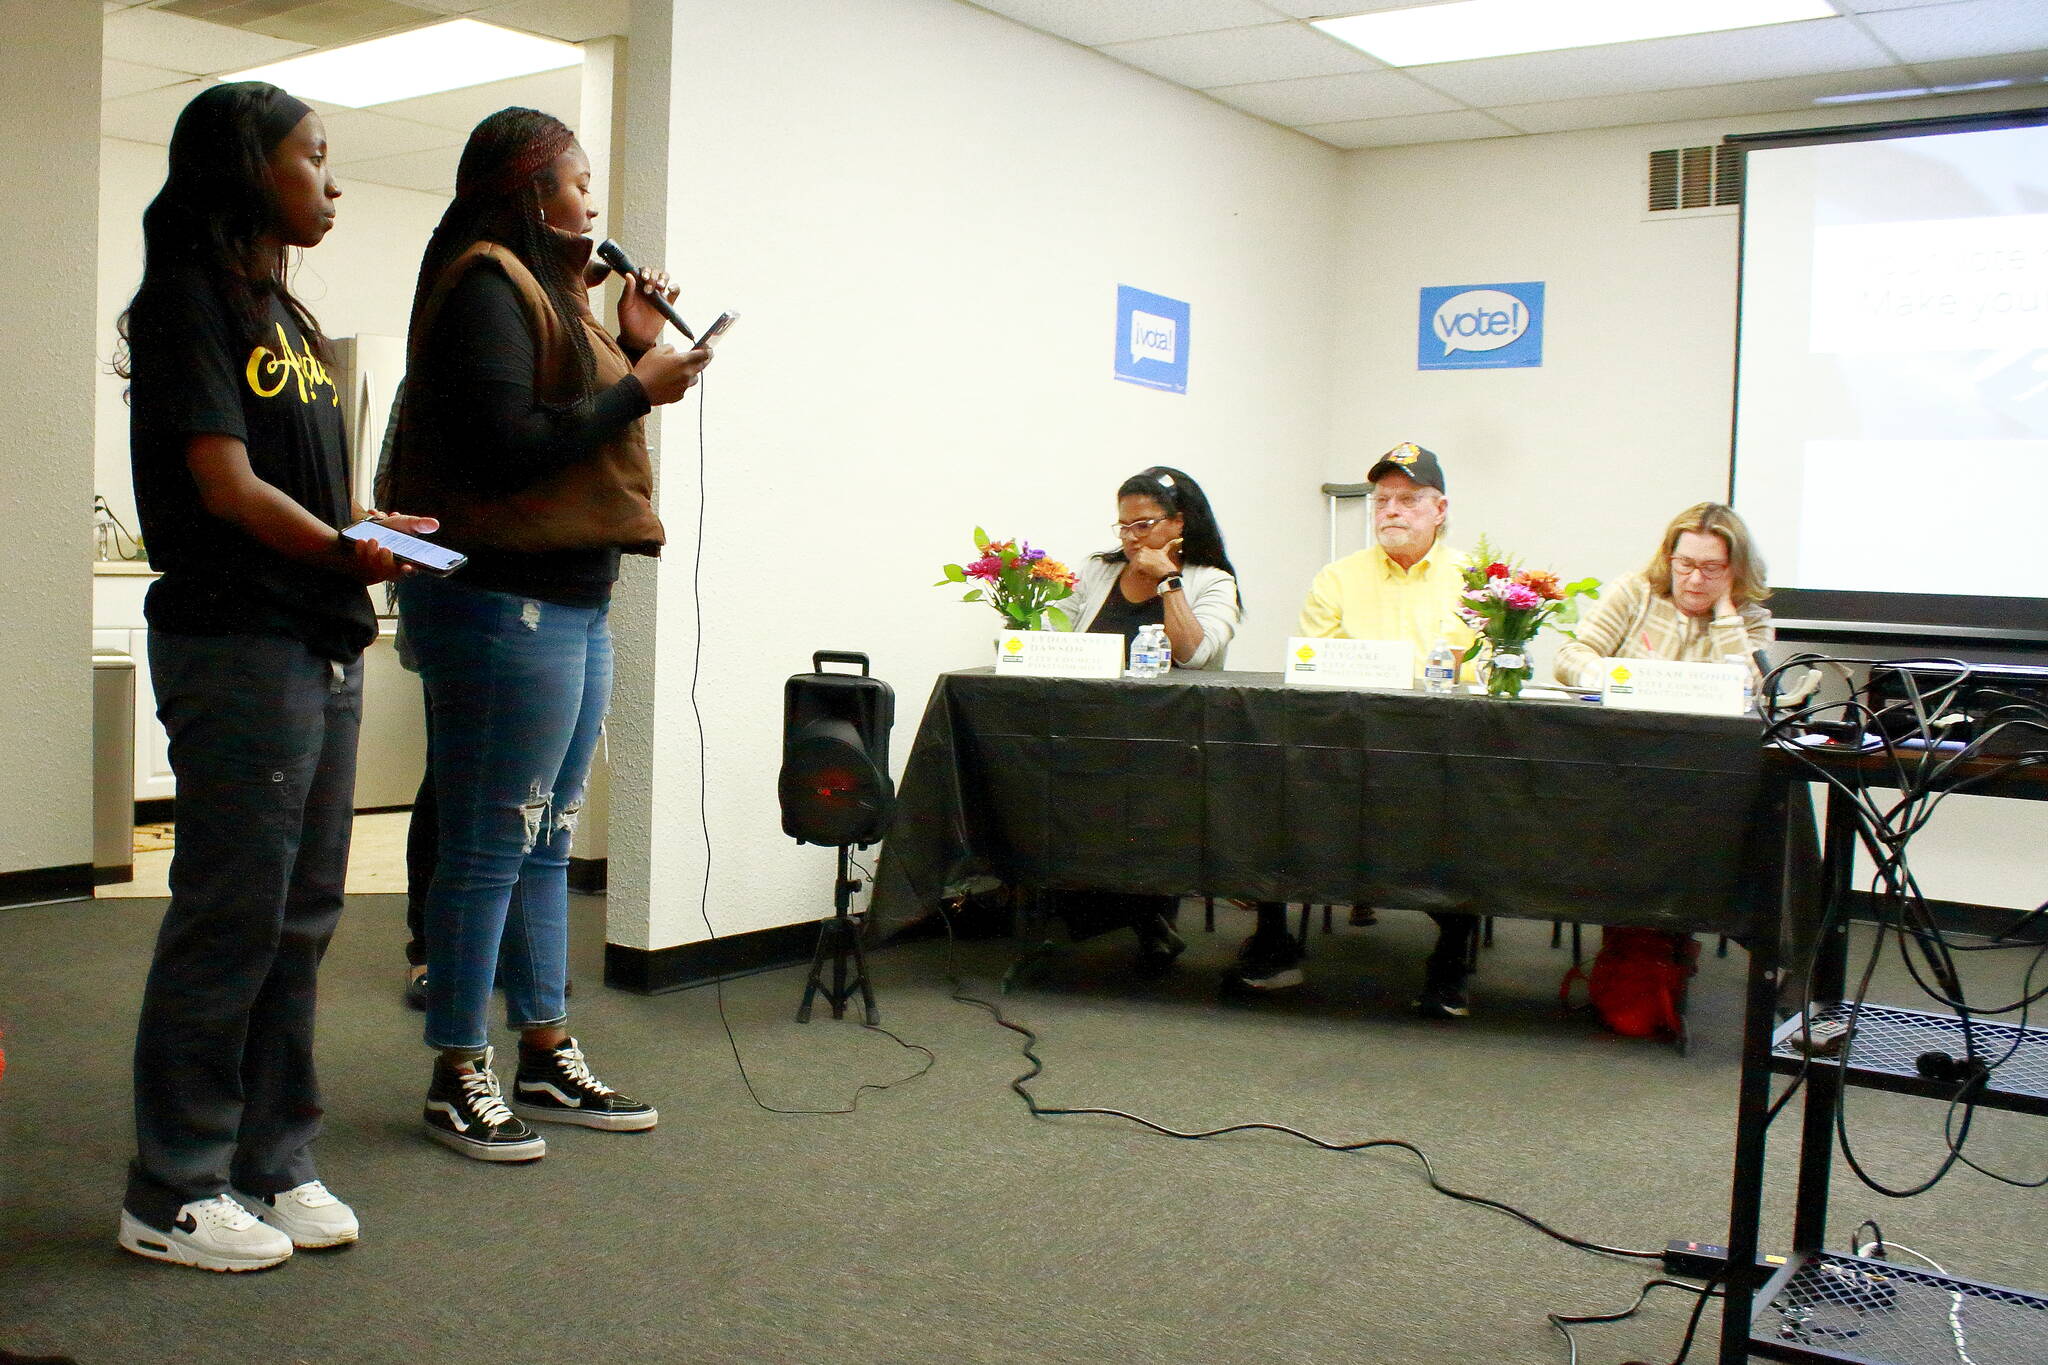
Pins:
<point x="652" y="971"/>
<point x="589" y="876"/>
<point x="1961" y="917"/>
<point x="105" y="876"/>
<point x="34" y="885"/>
<point x="159" y="810"/>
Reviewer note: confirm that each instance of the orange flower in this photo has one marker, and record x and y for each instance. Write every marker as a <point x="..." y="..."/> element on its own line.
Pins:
<point x="1054" y="570"/>
<point x="1543" y="581"/>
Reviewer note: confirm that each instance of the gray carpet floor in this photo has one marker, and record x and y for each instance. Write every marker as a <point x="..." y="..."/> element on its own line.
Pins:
<point x="940" y="1222"/>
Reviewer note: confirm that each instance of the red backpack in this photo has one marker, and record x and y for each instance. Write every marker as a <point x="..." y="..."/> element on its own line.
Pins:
<point x="1637" y="981"/>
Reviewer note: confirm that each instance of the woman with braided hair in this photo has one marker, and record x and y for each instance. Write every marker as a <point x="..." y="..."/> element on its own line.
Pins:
<point x="521" y="431"/>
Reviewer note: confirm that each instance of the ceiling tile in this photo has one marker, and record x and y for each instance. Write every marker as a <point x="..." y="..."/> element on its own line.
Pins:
<point x="431" y="171"/>
<point x="356" y="135"/>
<point x="150" y="115"/>
<point x="1330" y="9"/>
<point x="1973" y="28"/>
<point x="1334" y="99"/>
<point x="573" y="21"/>
<point x="1705" y="102"/>
<point x="556" y="92"/>
<point x="1092" y="22"/>
<point x="1241" y="56"/>
<point x="1459" y="125"/>
<point x="150" y="37"/>
<point x="1817" y="45"/>
<point x="2017" y="66"/>
<point x="1872" y="6"/>
<point x="126" y="78"/>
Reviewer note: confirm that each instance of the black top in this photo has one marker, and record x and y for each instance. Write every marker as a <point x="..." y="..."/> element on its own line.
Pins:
<point x="475" y="382"/>
<point x="195" y="374"/>
<point x="1119" y="615"/>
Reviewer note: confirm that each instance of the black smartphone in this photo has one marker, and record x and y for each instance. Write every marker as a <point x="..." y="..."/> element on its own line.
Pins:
<point x="421" y="554"/>
<point x="717" y="329"/>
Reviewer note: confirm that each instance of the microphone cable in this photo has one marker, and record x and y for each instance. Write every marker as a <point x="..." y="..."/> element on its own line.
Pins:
<point x="704" y="825"/>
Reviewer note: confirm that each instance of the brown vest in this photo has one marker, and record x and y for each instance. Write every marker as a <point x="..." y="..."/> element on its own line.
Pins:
<point x="602" y="501"/>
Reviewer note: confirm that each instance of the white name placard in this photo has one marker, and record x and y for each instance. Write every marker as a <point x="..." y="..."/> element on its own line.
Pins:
<point x="1666" y="685"/>
<point x="1350" y="663"/>
<point x="1059" y="654"/>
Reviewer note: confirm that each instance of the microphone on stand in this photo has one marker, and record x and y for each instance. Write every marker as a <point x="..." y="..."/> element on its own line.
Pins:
<point x="614" y="255"/>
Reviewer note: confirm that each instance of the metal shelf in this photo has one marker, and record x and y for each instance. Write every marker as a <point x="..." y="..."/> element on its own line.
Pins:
<point x="1886" y="1042"/>
<point x="1825" y="1306"/>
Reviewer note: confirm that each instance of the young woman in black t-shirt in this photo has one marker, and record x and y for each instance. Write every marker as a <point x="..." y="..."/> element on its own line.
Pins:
<point x="257" y="627"/>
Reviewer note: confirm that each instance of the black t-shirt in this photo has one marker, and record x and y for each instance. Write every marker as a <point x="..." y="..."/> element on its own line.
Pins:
<point x="1119" y="615"/>
<point x="195" y="374"/>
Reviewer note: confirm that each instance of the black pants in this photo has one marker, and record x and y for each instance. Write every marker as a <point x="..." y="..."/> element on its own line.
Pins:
<point x="1449" y="963"/>
<point x="263" y="745"/>
<point x="422" y="851"/>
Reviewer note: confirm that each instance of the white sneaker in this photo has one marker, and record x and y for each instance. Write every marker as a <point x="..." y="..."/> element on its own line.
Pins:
<point x="308" y="1214"/>
<point x="212" y="1234"/>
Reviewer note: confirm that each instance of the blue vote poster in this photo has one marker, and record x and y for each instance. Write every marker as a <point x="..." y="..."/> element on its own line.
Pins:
<point x="1151" y="340"/>
<point x="1480" y="327"/>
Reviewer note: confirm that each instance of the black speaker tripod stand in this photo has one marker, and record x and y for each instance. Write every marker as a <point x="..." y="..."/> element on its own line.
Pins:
<point x="840" y="938"/>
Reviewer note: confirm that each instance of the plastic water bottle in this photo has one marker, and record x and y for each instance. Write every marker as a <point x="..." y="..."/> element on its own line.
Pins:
<point x="1440" y="674"/>
<point x="1748" y="682"/>
<point x="1141" y="647"/>
<point x="1162" y="652"/>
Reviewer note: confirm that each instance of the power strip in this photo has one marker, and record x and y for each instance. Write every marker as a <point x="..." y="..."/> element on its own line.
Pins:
<point x="1706" y="1260"/>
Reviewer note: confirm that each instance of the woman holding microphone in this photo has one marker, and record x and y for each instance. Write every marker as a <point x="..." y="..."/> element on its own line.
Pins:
<point x="521" y="429"/>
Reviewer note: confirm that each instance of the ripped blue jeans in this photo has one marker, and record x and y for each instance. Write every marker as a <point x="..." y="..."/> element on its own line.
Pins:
<point x="518" y="689"/>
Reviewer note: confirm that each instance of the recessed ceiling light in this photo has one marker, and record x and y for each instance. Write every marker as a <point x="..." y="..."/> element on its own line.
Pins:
<point x="1914" y="93"/>
<point x="420" y="61"/>
<point x="1469" y="29"/>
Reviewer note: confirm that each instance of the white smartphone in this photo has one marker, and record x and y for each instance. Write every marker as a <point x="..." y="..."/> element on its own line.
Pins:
<point x="716" y="330"/>
<point x="421" y="554"/>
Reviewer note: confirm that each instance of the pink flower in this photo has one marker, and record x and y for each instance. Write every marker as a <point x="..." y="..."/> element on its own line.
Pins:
<point x="1522" y="597"/>
<point x="988" y="568"/>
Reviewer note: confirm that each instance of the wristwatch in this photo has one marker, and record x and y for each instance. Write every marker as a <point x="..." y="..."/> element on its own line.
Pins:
<point x="1170" y="583"/>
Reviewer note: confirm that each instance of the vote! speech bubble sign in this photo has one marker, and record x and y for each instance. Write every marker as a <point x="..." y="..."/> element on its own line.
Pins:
<point x="1151" y="340"/>
<point x="1480" y="326"/>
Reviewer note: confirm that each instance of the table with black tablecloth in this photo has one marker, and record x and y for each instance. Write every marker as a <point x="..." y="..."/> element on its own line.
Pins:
<point x="1233" y="784"/>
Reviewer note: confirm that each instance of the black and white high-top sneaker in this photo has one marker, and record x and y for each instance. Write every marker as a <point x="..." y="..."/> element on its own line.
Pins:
<point x="554" y="1085"/>
<point x="466" y="1110"/>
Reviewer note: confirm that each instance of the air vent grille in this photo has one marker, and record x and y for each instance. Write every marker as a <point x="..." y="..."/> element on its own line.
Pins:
<point x="1695" y="178"/>
<point x="321" y="23"/>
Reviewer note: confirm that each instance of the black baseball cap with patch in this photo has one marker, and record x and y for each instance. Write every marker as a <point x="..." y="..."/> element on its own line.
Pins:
<point x="1410" y="459"/>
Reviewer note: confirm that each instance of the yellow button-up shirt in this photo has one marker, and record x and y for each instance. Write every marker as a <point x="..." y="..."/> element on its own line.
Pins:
<point x="1367" y="596"/>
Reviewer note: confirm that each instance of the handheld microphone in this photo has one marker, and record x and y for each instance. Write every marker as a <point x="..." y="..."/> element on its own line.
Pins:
<point x="614" y="255"/>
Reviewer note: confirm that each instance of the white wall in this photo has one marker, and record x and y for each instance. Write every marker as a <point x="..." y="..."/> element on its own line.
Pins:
<point x="923" y="212"/>
<point x="359" y="280"/>
<point x="49" y="166"/>
<point x="1579" y="464"/>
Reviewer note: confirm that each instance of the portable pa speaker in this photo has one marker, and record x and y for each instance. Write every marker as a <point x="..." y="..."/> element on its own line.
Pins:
<point x="835" y="787"/>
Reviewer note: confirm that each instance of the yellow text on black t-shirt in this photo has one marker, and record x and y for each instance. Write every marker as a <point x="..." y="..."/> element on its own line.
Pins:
<point x="269" y="371"/>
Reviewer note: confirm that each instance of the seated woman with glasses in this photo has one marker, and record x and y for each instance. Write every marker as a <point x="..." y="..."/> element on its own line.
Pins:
<point x="1169" y="568"/>
<point x="1697" y="601"/>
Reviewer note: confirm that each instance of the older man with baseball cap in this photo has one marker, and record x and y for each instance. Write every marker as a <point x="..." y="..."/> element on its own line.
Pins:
<point x="1404" y="586"/>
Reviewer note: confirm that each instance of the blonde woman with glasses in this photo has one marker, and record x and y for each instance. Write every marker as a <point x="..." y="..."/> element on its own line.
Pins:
<point x="1698" y="600"/>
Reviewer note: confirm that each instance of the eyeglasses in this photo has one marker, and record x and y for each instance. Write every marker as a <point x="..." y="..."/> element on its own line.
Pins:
<point x="1681" y="565"/>
<point x="1132" y="530"/>
<point x="1419" y="497"/>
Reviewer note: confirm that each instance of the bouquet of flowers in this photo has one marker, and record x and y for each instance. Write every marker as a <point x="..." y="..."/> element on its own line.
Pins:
<point x="1019" y="582"/>
<point x="1508" y="605"/>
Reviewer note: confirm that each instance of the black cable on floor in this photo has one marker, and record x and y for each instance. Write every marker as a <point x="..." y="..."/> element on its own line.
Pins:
<point x="1564" y="1322"/>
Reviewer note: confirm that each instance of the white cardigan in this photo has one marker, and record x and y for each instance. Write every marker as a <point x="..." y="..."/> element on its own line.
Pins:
<point x="1211" y="594"/>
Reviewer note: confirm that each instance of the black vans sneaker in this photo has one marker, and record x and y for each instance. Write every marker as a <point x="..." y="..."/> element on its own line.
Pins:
<point x="466" y="1110"/>
<point x="554" y="1085"/>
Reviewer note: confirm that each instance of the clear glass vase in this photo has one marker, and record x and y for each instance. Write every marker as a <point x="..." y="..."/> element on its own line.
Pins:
<point x="1507" y="667"/>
